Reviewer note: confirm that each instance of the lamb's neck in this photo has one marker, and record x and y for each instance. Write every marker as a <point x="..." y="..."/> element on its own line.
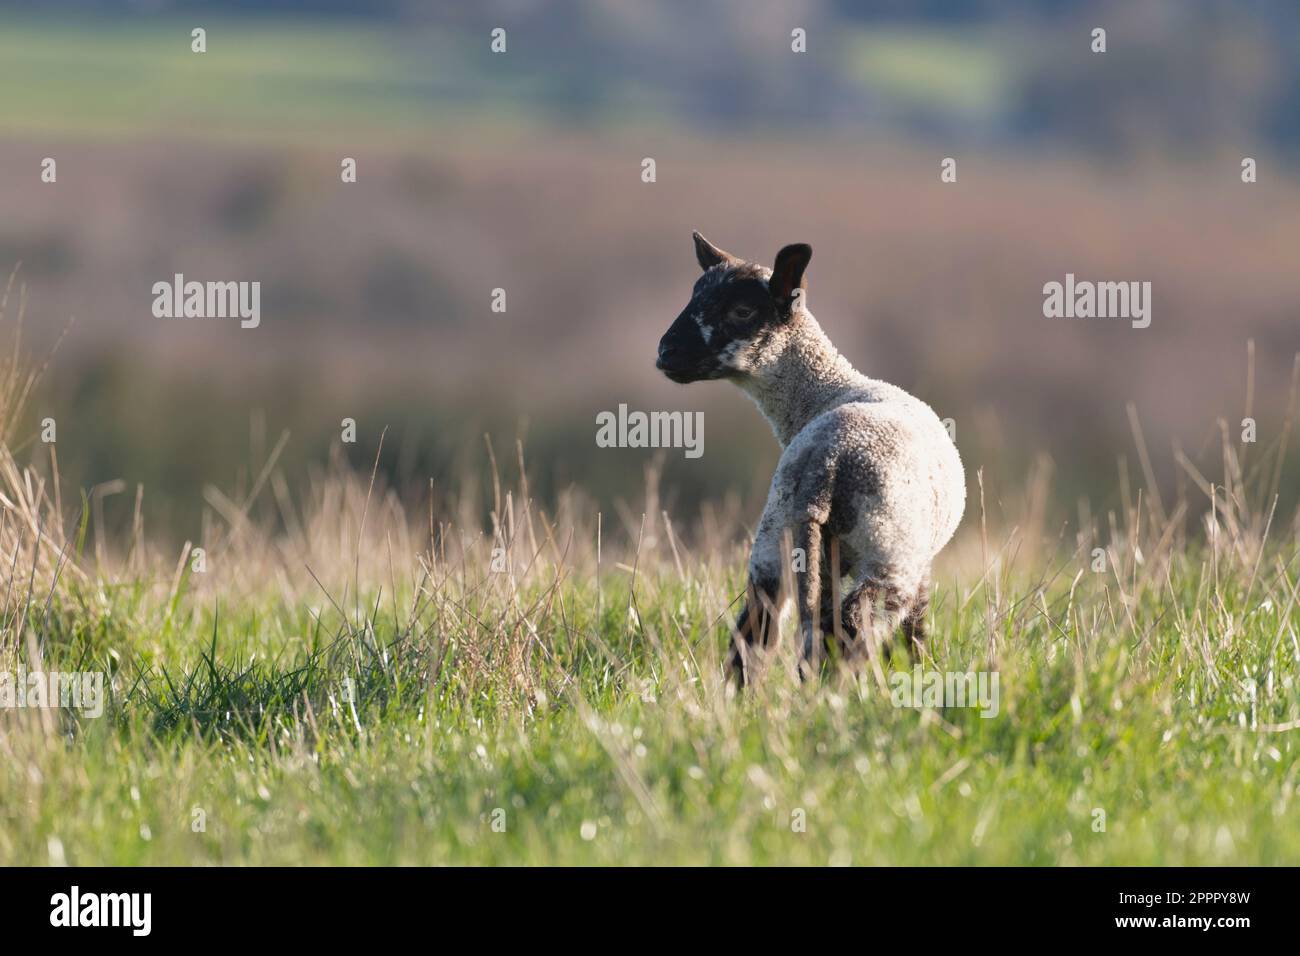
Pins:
<point x="805" y="379"/>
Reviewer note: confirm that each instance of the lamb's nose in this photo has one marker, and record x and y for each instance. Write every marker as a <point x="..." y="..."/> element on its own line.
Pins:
<point x="665" y="352"/>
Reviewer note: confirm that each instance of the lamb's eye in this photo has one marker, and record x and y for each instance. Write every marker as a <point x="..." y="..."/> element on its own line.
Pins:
<point x="741" y="313"/>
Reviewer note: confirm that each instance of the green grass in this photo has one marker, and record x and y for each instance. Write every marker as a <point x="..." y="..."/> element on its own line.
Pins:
<point x="323" y="78"/>
<point x="259" y="77"/>
<point x="943" y="72"/>
<point x="586" y="715"/>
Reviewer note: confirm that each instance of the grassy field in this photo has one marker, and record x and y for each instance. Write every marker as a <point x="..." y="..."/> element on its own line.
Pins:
<point x="354" y="674"/>
<point x="109" y="77"/>
<point x="354" y="680"/>
<point x="271" y="78"/>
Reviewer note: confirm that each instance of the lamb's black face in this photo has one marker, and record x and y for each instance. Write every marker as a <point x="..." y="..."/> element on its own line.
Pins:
<point x="715" y="334"/>
<point x="736" y="312"/>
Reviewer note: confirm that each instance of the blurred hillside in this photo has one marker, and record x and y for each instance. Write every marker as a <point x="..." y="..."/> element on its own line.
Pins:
<point x="522" y="171"/>
<point x="1177" y="73"/>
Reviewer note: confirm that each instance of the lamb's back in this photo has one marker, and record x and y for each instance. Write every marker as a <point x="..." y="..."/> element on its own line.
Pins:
<point x="881" y="472"/>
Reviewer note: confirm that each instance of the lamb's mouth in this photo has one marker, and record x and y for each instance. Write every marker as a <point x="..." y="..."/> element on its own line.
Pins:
<point x="682" y="374"/>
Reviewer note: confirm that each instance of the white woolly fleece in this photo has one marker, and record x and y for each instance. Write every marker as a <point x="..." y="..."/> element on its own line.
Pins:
<point x="865" y="460"/>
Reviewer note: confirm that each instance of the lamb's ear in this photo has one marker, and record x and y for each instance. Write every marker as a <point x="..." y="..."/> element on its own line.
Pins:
<point x="708" y="254"/>
<point x="787" y="273"/>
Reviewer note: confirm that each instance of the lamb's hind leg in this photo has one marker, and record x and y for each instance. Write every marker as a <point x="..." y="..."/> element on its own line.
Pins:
<point x="834" y="570"/>
<point x="756" y="626"/>
<point x="914" y="622"/>
<point x="872" y="613"/>
<point x="757" y="623"/>
<point x="808" y="588"/>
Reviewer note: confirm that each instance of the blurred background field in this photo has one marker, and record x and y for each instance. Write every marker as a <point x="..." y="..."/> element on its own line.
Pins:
<point x="522" y="171"/>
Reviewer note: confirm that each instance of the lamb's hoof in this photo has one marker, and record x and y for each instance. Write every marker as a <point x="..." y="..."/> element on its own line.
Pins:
<point x="738" y="668"/>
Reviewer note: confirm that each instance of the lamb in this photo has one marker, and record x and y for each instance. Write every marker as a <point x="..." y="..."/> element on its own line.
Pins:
<point x="869" y="484"/>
